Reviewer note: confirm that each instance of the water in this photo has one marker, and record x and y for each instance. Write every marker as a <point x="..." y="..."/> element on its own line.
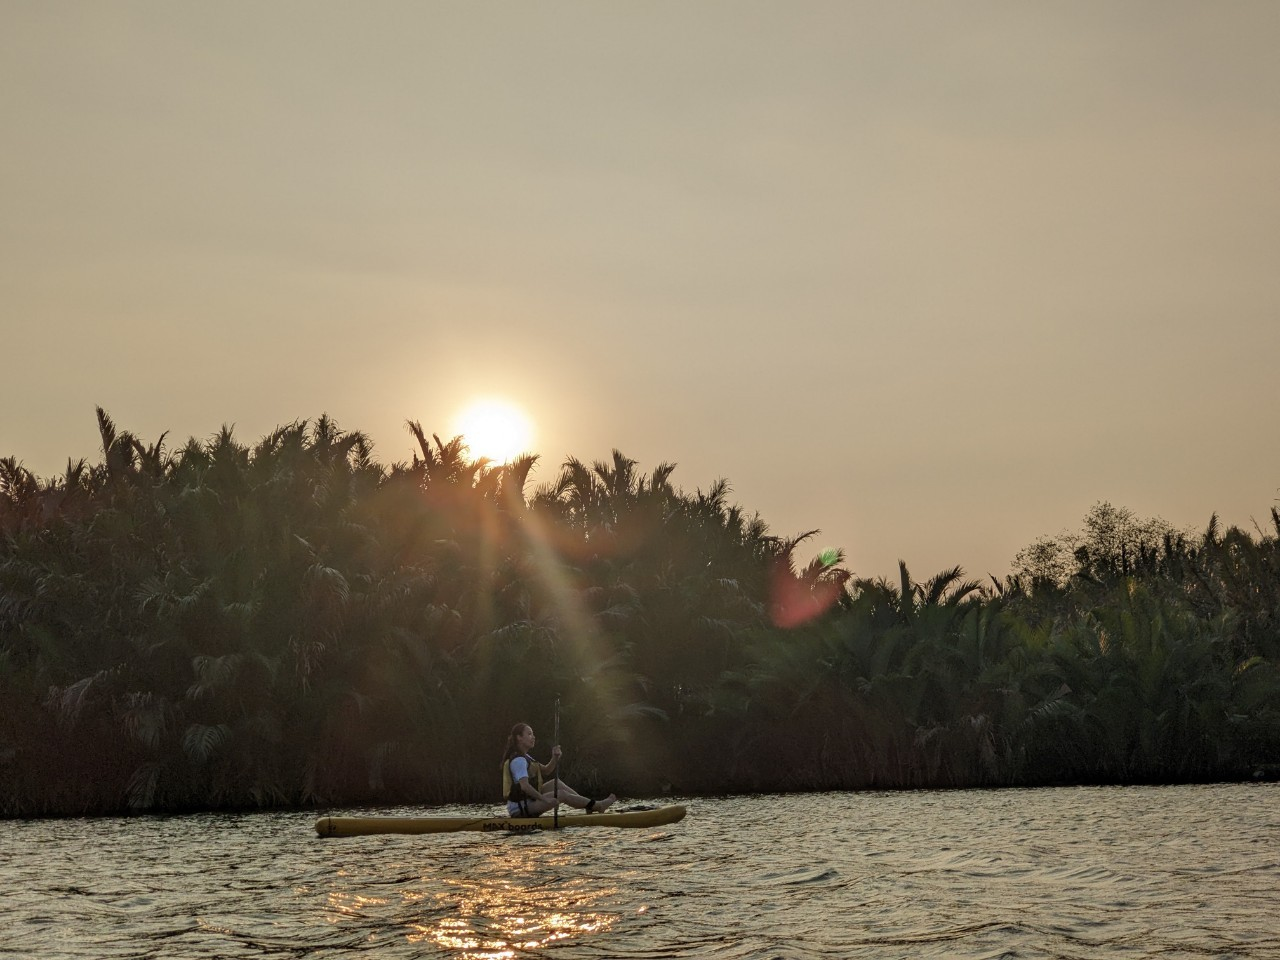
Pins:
<point x="1170" y="872"/>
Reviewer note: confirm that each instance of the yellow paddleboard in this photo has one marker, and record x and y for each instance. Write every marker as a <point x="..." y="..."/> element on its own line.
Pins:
<point x="359" y="826"/>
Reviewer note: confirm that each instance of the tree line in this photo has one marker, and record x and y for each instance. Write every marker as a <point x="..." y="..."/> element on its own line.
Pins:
<point x="292" y="623"/>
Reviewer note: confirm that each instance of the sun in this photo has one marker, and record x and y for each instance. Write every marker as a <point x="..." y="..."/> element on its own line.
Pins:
<point x="494" y="429"/>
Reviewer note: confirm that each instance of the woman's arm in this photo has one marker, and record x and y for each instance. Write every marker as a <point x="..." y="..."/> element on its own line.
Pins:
<point x="520" y="770"/>
<point x="555" y="761"/>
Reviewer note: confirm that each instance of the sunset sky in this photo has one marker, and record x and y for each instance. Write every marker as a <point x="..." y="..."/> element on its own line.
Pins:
<point x="931" y="277"/>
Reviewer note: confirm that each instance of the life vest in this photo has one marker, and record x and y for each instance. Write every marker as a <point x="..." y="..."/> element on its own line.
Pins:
<point x="511" y="787"/>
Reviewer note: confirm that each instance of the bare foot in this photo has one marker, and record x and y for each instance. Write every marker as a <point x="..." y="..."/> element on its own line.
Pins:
<point x="603" y="805"/>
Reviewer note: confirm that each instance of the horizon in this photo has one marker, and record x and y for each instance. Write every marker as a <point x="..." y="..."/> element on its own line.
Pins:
<point x="173" y="445"/>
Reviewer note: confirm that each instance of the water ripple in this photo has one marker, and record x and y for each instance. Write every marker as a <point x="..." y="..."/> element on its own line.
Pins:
<point x="1176" y="872"/>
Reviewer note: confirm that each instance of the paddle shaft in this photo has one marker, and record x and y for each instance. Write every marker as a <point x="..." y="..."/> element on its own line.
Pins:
<point x="556" y="742"/>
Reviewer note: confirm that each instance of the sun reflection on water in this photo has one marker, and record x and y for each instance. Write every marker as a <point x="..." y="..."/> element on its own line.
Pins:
<point x="511" y="901"/>
<point x="489" y="920"/>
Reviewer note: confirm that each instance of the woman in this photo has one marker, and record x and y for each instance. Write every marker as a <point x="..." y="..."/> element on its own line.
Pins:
<point x="526" y="794"/>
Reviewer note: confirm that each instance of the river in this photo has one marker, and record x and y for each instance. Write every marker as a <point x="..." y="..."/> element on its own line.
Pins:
<point x="1169" y="872"/>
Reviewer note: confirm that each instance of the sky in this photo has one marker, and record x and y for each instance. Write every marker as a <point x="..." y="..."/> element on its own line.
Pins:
<point x="932" y="278"/>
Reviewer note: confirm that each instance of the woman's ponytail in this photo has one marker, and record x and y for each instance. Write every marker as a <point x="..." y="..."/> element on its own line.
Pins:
<point x="512" y="750"/>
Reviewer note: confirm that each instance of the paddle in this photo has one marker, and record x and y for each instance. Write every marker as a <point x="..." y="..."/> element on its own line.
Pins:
<point x="556" y="740"/>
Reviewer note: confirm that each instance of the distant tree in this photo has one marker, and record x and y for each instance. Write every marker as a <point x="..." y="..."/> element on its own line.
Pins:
<point x="292" y="623"/>
<point x="1112" y="541"/>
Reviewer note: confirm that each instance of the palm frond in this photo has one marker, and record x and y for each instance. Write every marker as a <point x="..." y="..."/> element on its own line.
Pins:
<point x="201" y="740"/>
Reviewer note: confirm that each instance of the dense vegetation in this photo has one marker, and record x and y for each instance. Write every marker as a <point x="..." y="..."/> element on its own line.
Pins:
<point x="293" y="623"/>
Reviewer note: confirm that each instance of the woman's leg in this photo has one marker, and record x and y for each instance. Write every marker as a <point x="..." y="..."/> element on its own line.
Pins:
<point x="565" y="792"/>
<point x="573" y="798"/>
<point x="536" y="807"/>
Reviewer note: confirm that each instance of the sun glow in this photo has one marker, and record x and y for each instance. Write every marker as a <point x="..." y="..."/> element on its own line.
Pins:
<point x="494" y="429"/>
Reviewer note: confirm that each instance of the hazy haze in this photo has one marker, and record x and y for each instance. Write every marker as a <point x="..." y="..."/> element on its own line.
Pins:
<point x="932" y="277"/>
